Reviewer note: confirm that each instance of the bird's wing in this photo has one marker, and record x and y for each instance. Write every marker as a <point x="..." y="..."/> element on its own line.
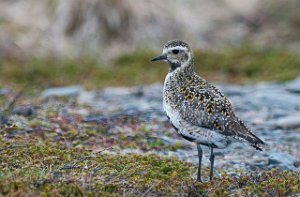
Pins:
<point x="213" y="111"/>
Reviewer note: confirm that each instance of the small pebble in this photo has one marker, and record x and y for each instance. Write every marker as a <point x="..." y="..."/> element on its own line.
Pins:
<point x="23" y="111"/>
<point x="294" y="85"/>
<point x="71" y="91"/>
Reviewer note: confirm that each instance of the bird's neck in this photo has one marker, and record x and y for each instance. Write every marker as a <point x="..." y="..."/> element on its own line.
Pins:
<point x="186" y="68"/>
<point x="189" y="68"/>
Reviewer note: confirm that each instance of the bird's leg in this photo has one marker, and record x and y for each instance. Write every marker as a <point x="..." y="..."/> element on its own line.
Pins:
<point x="212" y="159"/>
<point x="200" y="152"/>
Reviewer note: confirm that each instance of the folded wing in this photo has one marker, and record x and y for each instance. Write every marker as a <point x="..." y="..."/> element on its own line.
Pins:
<point x="213" y="111"/>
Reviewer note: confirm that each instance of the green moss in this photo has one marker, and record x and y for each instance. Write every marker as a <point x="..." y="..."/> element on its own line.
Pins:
<point x="47" y="168"/>
<point x="238" y="65"/>
<point x="52" y="167"/>
<point x="248" y="64"/>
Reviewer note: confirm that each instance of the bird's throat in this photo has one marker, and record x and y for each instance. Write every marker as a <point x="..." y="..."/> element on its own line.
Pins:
<point x="174" y="66"/>
<point x="187" y="67"/>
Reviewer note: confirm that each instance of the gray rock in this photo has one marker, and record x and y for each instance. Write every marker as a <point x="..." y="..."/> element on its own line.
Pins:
<point x="119" y="91"/>
<point x="281" y="160"/>
<point x="4" y="91"/>
<point x="292" y="121"/>
<point x="294" y="86"/>
<point x="71" y="91"/>
<point x="153" y="91"/>
<point x="3" y="119"/>
<point x="234" y="90"/>
<point x="297" y="164"/>
<point x="23" y="111"/>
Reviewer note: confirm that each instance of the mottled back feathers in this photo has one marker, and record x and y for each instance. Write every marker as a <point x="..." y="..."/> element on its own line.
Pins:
<point x="201" y="104"/>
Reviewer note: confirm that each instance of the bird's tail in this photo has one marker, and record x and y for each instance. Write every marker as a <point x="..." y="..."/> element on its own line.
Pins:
<point x="252" y="139"/>
<point x="256" y="142"/>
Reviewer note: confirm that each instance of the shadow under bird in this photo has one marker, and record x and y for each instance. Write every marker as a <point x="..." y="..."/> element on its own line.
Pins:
<point x="198" y="111"/>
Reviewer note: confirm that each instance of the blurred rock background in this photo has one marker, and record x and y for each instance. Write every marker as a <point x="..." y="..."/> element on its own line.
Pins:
<point x="109" y="43"/>
<point x="106" y="29"/>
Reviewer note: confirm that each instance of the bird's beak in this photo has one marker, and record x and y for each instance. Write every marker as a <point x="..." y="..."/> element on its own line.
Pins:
<point x="161" y="57"/>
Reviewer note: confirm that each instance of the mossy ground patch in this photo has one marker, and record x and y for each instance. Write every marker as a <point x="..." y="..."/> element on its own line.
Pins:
<point x="242" y="64"/>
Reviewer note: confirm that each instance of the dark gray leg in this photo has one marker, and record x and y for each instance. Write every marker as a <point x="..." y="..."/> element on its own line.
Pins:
<point x="212" y="159"/>
<point x="200" y="152"/>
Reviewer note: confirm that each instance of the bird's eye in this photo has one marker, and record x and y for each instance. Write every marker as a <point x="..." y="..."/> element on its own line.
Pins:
<point x="175" y="51"/>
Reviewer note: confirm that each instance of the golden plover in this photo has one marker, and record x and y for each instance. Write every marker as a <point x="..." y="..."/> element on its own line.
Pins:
<point x="198" y="111"/>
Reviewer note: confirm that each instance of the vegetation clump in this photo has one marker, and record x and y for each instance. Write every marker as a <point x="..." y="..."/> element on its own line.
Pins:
<point x="51" y="154"/>
<point x="241" y="64"/>
<point x="35" y="168"/>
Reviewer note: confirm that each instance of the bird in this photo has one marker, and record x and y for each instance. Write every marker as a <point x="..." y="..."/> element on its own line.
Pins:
<point x="197" y="110"/>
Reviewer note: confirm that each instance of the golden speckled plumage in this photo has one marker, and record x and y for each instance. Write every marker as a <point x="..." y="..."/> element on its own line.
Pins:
<point x="198" y="110"/>
<point x="202" y="104"/>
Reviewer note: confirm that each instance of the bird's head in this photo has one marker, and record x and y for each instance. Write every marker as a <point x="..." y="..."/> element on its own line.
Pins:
<point x="177" y="53"/>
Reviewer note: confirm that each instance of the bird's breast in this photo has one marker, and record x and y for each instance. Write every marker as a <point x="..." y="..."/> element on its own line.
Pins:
<point x="173" y="115"/>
